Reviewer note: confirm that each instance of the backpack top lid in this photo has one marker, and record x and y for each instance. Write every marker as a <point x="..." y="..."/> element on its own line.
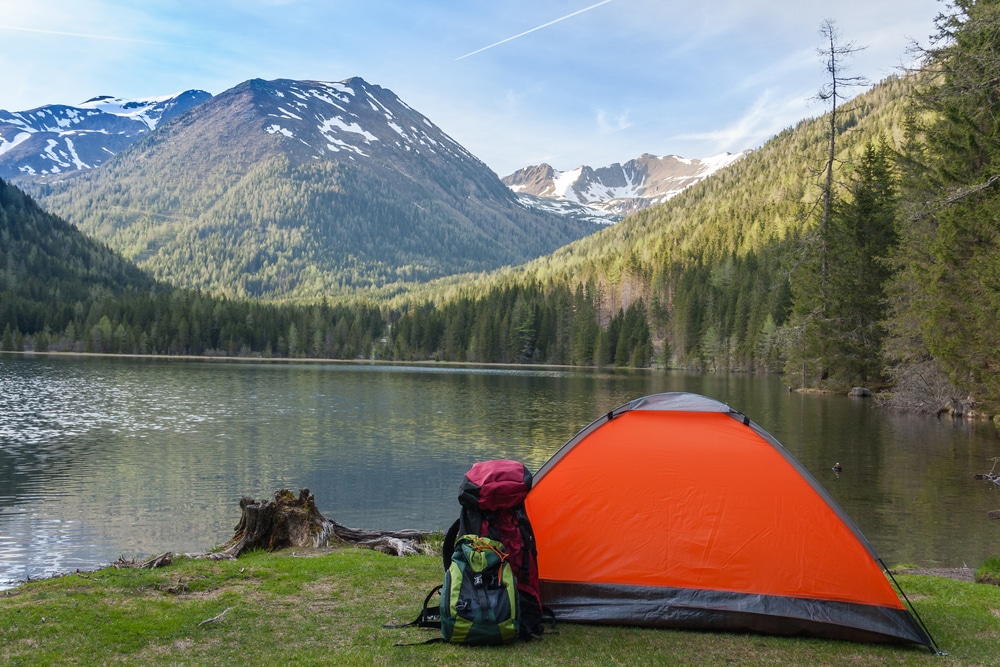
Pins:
<point x="495" y="485"/>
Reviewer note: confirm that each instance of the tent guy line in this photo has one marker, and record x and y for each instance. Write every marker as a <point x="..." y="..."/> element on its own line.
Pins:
<point x="527" y="32"/>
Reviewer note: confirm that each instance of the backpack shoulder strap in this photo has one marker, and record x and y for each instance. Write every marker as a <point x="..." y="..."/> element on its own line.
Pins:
<point x="429" y="616"/>
<point x="448" y="547"/>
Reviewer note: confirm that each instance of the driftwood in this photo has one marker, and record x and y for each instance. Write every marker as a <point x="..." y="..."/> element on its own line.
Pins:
<point x="991" y="476"/>
<point x="162" y="560"/>
<point x="288" y="521"/>
<point x="214" y="619"/>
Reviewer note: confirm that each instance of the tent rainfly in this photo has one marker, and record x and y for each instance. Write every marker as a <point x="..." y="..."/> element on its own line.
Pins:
<point x="676" y="511"/>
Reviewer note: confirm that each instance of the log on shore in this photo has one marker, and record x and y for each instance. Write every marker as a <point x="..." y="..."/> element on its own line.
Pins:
<point x="288" y="521"/>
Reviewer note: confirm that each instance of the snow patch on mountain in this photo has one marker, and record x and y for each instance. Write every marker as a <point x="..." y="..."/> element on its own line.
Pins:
<point x="146" y="110"/>
<point x="562" y="184"/>
<point x="19" y="138"/>
<point x="354" y="117"/>
<point x="567" y="208"/>
<point x="277" y="129"/>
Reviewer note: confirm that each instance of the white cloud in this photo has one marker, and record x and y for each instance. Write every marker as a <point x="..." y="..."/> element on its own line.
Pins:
<point x="610" y="124"/>
<point x="762" y="120"/>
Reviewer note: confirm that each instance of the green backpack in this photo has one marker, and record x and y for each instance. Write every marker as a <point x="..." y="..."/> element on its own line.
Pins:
<point x="479" y="602"/>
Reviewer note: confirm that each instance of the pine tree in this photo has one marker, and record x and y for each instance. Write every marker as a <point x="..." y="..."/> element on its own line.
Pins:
<point x="861" y="237"/>
<point x="948" y="288"/>
<point x="7" y="341"/>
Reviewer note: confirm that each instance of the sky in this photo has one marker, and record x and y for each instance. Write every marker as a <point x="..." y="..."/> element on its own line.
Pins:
<point x="518" y="83"/>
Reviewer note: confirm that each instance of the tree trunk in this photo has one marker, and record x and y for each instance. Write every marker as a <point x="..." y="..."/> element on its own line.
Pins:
<point x="288" y="521"/>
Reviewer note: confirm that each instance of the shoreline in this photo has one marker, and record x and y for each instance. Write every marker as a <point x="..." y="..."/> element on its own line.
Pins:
<point x="971" y="416"/>
<point x="964" y="573"/>
<point x="315" y="360"/>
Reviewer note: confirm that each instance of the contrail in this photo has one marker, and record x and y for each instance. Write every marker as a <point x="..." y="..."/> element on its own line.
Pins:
<point x="545" y="25"/>
<point x="77" y="34"/>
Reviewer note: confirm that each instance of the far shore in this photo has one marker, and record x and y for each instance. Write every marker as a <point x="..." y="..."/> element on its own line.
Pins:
<point x="309" y="360"/>
<point x="974" y="415"/>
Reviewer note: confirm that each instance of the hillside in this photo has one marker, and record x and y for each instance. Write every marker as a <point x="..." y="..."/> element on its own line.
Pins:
<point x="298" y="189"/>
<point x="753" y="205"/>
<point x="710" y="269"/>
<point x="47" y="266"/>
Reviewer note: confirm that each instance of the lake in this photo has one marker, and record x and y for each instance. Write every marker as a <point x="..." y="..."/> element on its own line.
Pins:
<point x="109" y="457"/>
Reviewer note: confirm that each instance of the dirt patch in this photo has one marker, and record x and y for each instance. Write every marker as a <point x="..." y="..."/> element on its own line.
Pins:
<point x="183" y="644"/>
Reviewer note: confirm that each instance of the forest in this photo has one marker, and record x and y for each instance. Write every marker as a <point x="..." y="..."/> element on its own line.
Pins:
<point x="856" y="249"/>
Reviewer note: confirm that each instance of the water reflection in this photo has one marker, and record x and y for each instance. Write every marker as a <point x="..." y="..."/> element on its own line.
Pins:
<point x="104" y="457"/>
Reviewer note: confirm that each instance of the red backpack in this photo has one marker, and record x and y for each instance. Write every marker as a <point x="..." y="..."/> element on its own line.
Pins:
<point x="492" y="497"/>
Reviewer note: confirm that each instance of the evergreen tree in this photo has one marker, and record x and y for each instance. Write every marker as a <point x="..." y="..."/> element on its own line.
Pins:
<point x="862" y="235"/>
<point x="7" y="341"/>
<point x="947" y="302"/>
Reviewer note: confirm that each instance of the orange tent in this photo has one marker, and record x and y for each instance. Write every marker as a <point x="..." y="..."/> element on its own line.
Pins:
<point x="676" y="511"/>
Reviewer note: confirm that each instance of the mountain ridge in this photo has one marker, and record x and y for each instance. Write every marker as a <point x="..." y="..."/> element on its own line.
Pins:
<point x="60" y="139"/>
<point x="303" y="189"/>
<point x="617" y="190"/>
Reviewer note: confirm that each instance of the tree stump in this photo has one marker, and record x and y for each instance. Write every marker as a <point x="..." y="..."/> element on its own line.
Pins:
<point x="288" y="521"/>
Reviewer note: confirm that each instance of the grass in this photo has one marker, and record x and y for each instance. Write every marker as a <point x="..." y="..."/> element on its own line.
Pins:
<point x="327" y="608"/>
<point x="989" y="571"/>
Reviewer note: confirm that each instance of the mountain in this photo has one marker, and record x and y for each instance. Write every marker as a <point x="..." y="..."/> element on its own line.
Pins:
<point x="59" y="139"/>
<point x="617" y="190"/>
<point x="303" y="189"/>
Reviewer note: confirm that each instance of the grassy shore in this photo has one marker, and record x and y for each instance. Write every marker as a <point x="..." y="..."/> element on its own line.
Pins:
<point x="302" y="607"/>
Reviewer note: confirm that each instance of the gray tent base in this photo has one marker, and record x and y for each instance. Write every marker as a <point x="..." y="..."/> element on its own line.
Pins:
<point x="691" y="609"/>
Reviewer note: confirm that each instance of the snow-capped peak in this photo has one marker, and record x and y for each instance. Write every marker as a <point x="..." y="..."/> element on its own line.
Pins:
<point x="352" y="118"/>
<point x="58" y="138"/>
<point x="619" y="188"/>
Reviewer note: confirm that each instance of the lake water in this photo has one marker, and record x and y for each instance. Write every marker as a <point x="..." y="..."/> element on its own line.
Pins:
<point x="101" y="458"/>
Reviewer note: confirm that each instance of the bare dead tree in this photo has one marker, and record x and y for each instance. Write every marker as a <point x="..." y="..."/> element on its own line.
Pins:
<point x="834" y="54"/>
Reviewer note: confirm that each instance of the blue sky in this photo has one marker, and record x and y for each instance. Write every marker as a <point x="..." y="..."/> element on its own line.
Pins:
<point x="567" y="82"/>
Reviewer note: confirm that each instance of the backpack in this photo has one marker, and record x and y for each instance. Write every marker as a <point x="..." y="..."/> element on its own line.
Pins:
<point x="479" y="602"/>
<point x="492" y="498"/>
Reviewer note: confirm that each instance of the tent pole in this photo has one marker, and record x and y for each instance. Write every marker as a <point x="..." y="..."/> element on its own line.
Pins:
<point x="935" y="649"/>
